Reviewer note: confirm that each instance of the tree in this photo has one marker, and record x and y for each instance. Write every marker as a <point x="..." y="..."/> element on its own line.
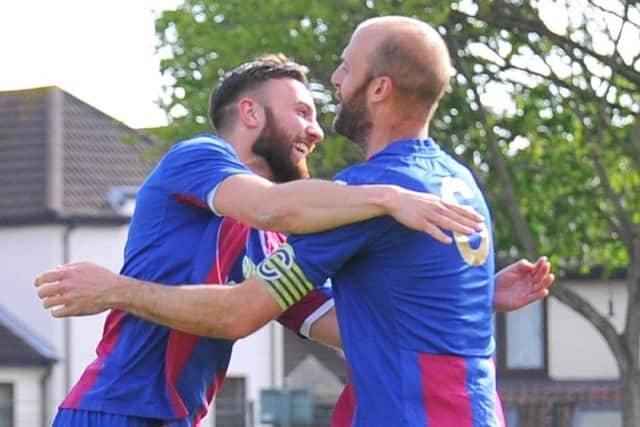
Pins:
<point x="571" y="189"/>
<point x="559" y="157"/>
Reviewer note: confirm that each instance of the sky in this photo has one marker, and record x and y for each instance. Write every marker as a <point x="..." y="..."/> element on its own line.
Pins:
<point x="102" y="52"/>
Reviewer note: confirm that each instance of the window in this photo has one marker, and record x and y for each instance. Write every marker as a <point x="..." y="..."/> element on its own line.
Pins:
<point x="589" y="416"/>
<point x="6" y="405"/>
<point x="521" y="337"/>
<point x="231" y="403"/>
<point x="511" y="416"/>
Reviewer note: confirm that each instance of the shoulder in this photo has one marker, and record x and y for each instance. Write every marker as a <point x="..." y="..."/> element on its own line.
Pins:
<point x="364" y="173"/>
<point x="200" y="147"/>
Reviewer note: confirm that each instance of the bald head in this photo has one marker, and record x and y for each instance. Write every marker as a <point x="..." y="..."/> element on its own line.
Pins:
<point x="411" y="53"/>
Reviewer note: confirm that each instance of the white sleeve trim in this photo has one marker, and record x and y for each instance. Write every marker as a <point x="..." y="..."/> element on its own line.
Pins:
<point x="210" y="197"/>
<point x="305" y="328"/>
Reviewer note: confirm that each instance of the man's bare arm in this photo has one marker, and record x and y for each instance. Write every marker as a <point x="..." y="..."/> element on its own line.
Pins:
<point x="231" y="311"/>
<point x="326" y="331"/>
<point x="208" y="310"/>
<point x="313" y="205"/>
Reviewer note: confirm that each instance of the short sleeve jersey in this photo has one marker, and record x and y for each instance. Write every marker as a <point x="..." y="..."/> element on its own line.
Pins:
<point x="415" y="315"/>
<point x="146" y="370"/>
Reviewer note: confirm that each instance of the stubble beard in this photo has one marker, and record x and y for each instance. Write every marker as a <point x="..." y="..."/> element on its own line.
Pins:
<point x="352" y="120"/>
<point x="274" y="146"/>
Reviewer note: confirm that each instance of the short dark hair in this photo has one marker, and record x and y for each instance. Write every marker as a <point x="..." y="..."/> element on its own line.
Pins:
<point x="246" y="77"/>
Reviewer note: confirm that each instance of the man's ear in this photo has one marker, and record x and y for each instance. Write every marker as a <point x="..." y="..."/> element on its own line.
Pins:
<point x="250" y="113"/>
<point x="380" y="88"/>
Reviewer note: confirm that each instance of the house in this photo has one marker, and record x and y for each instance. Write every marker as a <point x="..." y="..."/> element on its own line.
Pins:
<point x="26" y="361"/>
<point x="60" y="160"/>
<point x="554" y="369"/>
<point x="68" y="178"/>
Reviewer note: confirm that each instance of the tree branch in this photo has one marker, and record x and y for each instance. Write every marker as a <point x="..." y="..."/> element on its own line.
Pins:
<point x="632" y="319"/>
<point x="503" y="15"/>
<point x="627" y="229"/>
<point x="634" y="145"/>
<point x="604" y="326"/>
<point x="613" y="13"/>
<point x="583" y="94"/>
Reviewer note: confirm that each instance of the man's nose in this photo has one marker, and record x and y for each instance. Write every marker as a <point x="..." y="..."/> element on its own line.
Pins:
<point x="315" y="132"/>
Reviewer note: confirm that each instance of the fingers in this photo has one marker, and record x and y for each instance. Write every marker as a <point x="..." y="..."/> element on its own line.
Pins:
<point x="49" y="277"/>
<point x="465" y="212"/>
<point x="456" y="226"/>
<point x="50" y="289"/>
<point x="461" y="219"/>
<point x="437" y="234"/>
<point x="54" y="301"/>
<point x="542" y="277"/>
<point x="536" y="296"/>
<point x="541" y="269"/>
<point x="63" y="311"/>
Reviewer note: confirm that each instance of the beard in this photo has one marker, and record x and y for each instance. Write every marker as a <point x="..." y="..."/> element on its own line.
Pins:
<point x="352" y="119"/>
<point x="274" y="146"/>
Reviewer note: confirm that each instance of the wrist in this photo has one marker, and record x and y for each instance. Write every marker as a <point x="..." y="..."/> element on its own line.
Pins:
<point x="116" y="295"/>
<point x="387" y="199"/>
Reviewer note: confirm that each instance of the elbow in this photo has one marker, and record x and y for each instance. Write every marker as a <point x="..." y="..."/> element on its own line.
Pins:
<point x="240" y="329"/>
<point x="277" y="218"/>
<point x="231" y="327"/>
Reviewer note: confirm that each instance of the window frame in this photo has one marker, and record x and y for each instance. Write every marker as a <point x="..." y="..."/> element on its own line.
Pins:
<point x="245" y="411"/>
<point x="501" y="349"/>
<point x="9" y="409"/>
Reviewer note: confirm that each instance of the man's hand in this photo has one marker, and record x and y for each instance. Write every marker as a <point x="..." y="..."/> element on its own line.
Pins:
<point x="431" y="214"/>
<point x="76" y="289"/>
<point x="522" y="283"/>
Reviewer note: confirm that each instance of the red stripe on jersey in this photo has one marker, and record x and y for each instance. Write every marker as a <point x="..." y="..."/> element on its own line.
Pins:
<point x="295" y="316"/>
<point x="190" y="200"/>
<point x="213" y="389"/>
<point x="273" y="241"/>
<point x="446" y="398"/>
<point x="345" y="407"/>
<point x="107" y="344"/>
<point x="232" y="238"/>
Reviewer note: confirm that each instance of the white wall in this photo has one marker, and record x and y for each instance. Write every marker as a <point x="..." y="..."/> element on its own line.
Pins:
<point x="25" y="252"/>
<point x="26" y="394"/>
<point x="576" y="349"/>
<point x="105" y="246"/>
<point x="30" y="250"/>
<point x="259" y="359"/>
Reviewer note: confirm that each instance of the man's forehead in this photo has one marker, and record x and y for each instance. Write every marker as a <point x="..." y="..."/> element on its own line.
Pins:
<point x="290" y="91"/>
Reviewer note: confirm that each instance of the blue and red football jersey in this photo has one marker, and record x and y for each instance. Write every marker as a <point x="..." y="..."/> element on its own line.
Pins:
<point x="146" y="370"/>
<point x="415" y="315"/>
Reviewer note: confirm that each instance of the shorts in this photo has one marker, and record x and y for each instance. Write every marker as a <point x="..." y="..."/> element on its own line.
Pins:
<point x="83" y="418"/>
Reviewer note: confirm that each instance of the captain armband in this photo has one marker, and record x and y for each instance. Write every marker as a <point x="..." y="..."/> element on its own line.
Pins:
<point x="285" y="280"/>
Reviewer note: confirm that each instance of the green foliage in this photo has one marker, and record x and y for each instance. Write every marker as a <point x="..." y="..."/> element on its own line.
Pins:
<point x="568" y="150"/>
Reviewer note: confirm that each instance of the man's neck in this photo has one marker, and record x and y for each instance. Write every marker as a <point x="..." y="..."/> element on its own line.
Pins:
<point x="247" y="157"/>
<point x="380" y="138"/>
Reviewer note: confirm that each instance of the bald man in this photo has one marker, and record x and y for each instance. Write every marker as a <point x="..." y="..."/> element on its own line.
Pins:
<point x="414" y="313"/>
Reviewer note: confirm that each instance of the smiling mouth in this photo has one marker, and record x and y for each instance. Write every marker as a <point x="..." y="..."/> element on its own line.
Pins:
<point x="301" y="148"/>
